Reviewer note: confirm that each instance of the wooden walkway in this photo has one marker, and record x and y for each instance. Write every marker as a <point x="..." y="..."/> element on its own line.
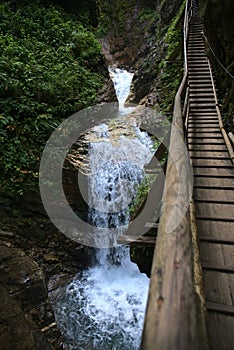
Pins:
<point x="213" y="194"/>
<point x="190" y="303"/>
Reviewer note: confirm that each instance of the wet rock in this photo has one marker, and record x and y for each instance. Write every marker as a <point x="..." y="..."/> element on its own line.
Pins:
<point x="24" y="308"/>
<point x="51" y="258"/>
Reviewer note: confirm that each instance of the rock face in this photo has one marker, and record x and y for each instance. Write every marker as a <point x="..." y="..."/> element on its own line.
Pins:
<point x="123" y="37"/>
<point x="135" y="40"/>
<point x="34" y="259"/>
<point x="24" y="309"/>
<point x="218" y="22"/>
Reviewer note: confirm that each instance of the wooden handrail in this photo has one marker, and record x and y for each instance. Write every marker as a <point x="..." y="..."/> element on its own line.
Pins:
<point x="173" y="317"/>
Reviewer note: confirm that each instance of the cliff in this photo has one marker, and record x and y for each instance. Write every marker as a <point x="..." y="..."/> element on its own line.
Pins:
<point x="144" y="37"/>
<point x="217" y="17"/>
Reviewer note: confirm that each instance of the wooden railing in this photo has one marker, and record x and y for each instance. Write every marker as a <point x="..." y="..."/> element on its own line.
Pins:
<point x="174" y="316"/>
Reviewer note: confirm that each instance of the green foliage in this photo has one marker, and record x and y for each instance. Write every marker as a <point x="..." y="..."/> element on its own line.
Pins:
<point x="170" y="67"/>
<point x="170" y="79"/>
<point x="114" y="15"/>
<point x="148" y="14"/>
<point x="174" y="33"/>
<point x="47" y="72"/>
<point x="142" y="192"/>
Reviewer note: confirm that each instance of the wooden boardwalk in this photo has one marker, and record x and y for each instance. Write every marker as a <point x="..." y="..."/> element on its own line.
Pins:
<point x="190" y="303"/>
<point x="213" y="194"/>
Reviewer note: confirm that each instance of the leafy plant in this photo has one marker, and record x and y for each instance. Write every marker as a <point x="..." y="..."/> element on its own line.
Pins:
<point x="48" y="70"/>
<point x="142" y="192"/>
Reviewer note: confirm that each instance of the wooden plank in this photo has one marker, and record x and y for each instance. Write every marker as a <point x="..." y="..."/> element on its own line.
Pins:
<point x="196" y="53"/>
<point x="201" y="89"/>
<point x="201" y="83"/>
<point x="198" y="66"/>
<point x="204" y="134"/>
<point x="198" y="122"/>
<point x="203" y="126"/>
<point x="198" y="129"/>
<point x="208" y="147"/>
<point x="216" y="228"/>
<point x="220" y="240"/>
<point x="203" y="117"/>
<point x="203" y="113"/>
<point x="203" y="95"/>
<point x="223" y="154"/>
<point x="218" y="195"/>
<point x="227" y="188"/>
<point x="222" y="308"/>
<point x="203" y="171"/>
<point x="220" y="329"/>
<point x="212" y="118"/>
<point x="228" y="257"/>
<point x="151" y="225"/>
<point x="211" y="162"/>
<point x="216" y="212"/>
<point x="216" y="286"/>
<point x="200" y="69"/>
<point x="203" y="122"/>
<point x="203" y="99"/>
<point x="202" y="141"/>
<point x="219" y="268"/>
<point x="204" y="138"/>
<point x="199" y="77"/>
<point x="137" y="240"/>
<point x="200" y="103"/>
<point x="201" y="59"/>
<point x="202" y="149"/>
<point x="210" y="181"/>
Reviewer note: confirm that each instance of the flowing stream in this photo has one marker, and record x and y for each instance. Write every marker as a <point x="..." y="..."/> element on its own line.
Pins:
<point x="103" y="307"/>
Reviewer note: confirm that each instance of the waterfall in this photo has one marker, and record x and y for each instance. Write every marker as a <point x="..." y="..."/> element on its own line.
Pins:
<point x="104" y="307"/>
<point x="117" y="163"/>
<point x="122" y="80"/>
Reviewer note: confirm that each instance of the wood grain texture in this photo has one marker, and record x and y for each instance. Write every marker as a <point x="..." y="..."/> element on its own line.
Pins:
<point x="173" y="318"/>
<point x="212" y="157"/>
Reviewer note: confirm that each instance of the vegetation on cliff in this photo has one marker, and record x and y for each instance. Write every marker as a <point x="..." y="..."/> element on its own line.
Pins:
<point x="49" y="69"/>
<point x="147" y="37"/>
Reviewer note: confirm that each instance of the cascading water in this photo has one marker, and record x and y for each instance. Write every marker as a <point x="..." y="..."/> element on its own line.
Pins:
<point x="103" y="308"/>
<point x="122" y="80"/>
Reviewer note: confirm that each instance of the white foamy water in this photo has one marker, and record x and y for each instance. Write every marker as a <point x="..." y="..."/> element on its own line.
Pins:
<point x="122" y="80"/>
<point x="103" y="308"/>
<point x="117" y="164"/>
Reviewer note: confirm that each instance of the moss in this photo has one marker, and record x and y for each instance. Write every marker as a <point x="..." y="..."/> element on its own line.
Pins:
<point x="170" y="79"/>
<point x="171" y="66"/>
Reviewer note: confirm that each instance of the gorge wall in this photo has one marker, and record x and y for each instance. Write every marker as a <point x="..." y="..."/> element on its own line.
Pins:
<point x="144" y="36"/>
<point x="217" y="17"/>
